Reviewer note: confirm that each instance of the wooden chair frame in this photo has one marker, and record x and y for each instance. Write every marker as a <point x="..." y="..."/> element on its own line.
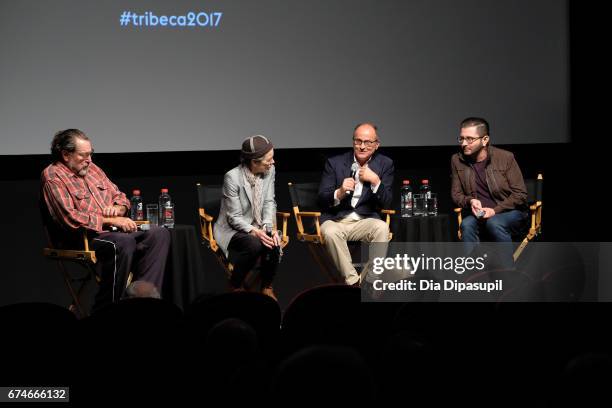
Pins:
<point x="84" y="257"/>
<point x="535" y="218"/>
<point x="206" y="233"/>
<point x="315" y="241"/>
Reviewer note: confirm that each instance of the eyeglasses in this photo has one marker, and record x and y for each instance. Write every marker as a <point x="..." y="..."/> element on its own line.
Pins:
<point x="468" y="139"/>
<point x="367" y="143"/>
<point x="85" y="155"/>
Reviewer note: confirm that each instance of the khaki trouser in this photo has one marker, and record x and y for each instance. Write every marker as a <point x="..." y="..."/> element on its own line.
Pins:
<point x="336" y="234"/>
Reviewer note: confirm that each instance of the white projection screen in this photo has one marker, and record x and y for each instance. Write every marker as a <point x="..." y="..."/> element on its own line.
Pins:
<point x="301" y="72"/>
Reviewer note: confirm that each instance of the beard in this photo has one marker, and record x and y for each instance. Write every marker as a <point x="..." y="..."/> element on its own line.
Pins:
<point x="474" y="152"/>
<point x="82" y="172"/>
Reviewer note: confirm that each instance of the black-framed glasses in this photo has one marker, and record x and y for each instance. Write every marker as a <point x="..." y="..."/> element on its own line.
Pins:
<point x="468" y="139"/>
<point x="367" y="143"/>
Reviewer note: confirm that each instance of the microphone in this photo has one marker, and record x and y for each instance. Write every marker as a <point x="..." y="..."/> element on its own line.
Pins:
<point x="354" y="170"/>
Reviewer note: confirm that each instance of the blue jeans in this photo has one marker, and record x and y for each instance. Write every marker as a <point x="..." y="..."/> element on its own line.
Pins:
<point x="498" y="228"/>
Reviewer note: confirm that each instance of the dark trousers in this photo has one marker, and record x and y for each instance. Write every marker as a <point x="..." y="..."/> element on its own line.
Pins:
<point x="144" y="253"/>
<point x="498" y="228"/>
<point x="244" y="250"/>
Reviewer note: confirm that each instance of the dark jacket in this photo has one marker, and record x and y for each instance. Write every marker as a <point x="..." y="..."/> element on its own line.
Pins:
<point x="504" y="179"/>
<point x="337" y="169"/>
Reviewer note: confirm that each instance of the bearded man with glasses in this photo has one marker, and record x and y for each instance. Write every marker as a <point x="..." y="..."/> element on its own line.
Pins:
<point x="78" y="196"/>
<point x="488" y="184"/>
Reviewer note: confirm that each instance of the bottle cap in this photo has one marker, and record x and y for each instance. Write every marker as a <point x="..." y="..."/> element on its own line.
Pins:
<point x="136" y="192"/>
<point x="406" y="182"/>
<point x="164" y="190"/>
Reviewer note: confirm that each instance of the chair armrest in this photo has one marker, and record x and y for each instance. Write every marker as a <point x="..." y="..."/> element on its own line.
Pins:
<point x="535" y="212"/>
<point x="308" y="214"/>
<point x="206" y="217"/>
<point x="85" y="241"/>
<point x="298" y="218"/>
<point x="388" y="214"/>
<point x="535" y="206"/>
<point x="71" y="255"/>
<point x="284" y="237"/>
<point x="206" y="232"/>
<point x="457" y="211"/>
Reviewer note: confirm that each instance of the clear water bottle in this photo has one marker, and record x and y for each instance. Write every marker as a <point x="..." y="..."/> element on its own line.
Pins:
<point x="425" y="192"/>
<point x="137" y="212"/>
<point x="406" y="199"/>
<point x="166" y="209"/>
<point x="432" y="204"/>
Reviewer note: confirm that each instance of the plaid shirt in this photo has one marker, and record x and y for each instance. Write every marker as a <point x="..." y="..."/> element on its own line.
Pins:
<point x="77" y="202"/>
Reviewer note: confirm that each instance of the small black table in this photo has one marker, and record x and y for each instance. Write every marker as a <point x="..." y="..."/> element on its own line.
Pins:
<point x="184" y="275"/>
<point x="422" y="229"/>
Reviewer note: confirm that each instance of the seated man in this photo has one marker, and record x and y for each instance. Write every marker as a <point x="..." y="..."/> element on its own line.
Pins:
<point x="354" y="187"/>
<point x="488" y="183"/>
<point x="78" y="195"/>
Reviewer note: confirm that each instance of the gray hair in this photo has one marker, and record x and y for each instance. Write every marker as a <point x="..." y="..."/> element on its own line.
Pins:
<point x="65" y="140"/>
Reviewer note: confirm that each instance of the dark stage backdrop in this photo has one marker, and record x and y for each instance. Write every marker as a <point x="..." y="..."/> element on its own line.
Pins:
<point x="26" y="276"/>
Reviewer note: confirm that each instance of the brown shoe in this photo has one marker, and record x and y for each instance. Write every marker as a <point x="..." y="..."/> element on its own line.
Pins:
<point x="269" y="292"/>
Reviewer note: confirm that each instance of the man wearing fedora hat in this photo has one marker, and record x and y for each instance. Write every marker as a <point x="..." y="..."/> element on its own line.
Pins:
<point x="247" y="207"/>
